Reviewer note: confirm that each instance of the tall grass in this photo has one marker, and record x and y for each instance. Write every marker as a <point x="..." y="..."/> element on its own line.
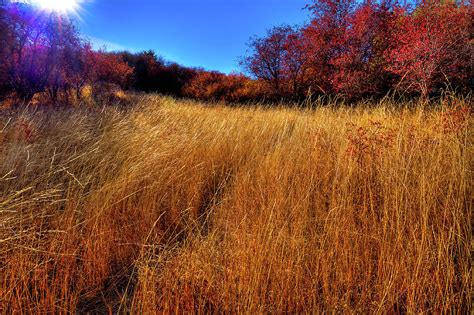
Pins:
<point x="180" y="207"/>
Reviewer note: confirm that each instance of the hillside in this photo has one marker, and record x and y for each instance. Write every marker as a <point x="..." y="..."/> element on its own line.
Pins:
<point x="178" y="206"/>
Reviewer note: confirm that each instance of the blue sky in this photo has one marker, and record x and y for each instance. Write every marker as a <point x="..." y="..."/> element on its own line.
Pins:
<point x="209" y="33"/>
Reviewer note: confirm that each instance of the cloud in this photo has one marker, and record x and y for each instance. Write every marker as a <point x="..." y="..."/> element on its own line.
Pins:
<point x="99" y="43"/>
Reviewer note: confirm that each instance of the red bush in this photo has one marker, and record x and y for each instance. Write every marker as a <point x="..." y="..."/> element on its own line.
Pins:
<point x="433" y="47"/>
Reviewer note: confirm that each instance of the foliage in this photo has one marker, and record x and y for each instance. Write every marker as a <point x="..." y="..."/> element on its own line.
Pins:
<point x="434" y="47"/>
<point x="349" y="48"/>
<point x="153" y="74"/>
<point x="215" y="86"/>
<point x="43" y="52"/>
<point x="278" y="59"/>
<point x="364" y="49"/>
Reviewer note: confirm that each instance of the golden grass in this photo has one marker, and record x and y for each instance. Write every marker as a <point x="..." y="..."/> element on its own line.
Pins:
<point x="178" y="207"/>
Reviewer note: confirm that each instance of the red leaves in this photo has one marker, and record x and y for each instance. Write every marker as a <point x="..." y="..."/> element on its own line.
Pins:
<point x="455" y="119"/>
<point x="360" y="66"/>
<point x="279" y="59"/>
<point x="109" y="68"/>
<point x="369" y="142"/>
<point x="350" y="48"/>
<point x="432" y="47"/>
<point x="365" y="49"/>
<point x="42" y="52"/>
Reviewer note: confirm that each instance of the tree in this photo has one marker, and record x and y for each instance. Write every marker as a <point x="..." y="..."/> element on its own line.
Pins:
<point x="295" y="65"/>
<point x="216" y="86"/>
<point x="146" y="67"/>
<point x="4" y="61"/>
<point x="279" y="59"/>
<point x="83" y="70"/>
<point x="153" y="74"/>
<point x="324" y="38"/>
<point x="433" y="47"/>
<point x="266" y="61"/>
<point x="63" y="56"/>
<point x="360" y="68"/>
<point x="39" y="49"/>
<point x="108" y="71"/>
<point x="24" y="43"/>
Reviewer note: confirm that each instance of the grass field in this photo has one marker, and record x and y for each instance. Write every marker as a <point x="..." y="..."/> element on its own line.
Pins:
<point x="174" y="206"/>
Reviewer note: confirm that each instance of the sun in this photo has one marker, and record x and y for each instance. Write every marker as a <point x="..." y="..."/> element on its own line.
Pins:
<point x="61" y="6"/>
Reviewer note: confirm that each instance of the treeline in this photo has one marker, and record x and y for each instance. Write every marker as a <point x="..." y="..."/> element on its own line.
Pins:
<point x="153" y="74"/>
<point x="43" y="53"/>
<point x="364" y="49"/>
<point x="349" y="48"/>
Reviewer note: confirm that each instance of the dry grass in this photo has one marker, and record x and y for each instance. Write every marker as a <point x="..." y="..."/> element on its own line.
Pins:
<point x="178" y="207"/>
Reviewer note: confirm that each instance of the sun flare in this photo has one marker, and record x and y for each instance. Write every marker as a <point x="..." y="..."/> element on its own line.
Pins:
<point x="62" y="6"/>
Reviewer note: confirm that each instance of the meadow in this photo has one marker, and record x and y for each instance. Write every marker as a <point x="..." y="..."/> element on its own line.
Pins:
<point x="174" y="206"/>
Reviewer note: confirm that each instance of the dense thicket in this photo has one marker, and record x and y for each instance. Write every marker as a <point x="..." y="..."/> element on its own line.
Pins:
<point x="349" y="48"/>
<point x="359" y="49"/>
<point x="153" y="74"/>
<point x="42" y="52"/>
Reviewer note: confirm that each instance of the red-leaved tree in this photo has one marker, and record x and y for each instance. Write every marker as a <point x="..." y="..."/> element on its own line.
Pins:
<point x="433" y="47"/>
<point x="279" y="59"/>
<point x="360" y="68"/>
<point x="325" y="39"/>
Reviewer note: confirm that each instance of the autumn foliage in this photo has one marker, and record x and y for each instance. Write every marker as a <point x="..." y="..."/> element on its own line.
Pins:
<point x="349" y="48"/>
<point x="362" y="49"/>
<point x="215" y="86"/>
<point x="43" y="53"/>
<point x="175" y="206"/>
<point x="434" y="47"/>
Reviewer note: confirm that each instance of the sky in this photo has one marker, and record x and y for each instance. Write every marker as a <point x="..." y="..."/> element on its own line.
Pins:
<point x="199" y="33"/>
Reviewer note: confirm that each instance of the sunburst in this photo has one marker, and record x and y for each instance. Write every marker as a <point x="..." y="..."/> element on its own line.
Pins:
<point x="59" y="6"/>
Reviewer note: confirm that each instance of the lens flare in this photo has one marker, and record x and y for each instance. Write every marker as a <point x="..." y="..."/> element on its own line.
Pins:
<point x="61" y="6"/>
